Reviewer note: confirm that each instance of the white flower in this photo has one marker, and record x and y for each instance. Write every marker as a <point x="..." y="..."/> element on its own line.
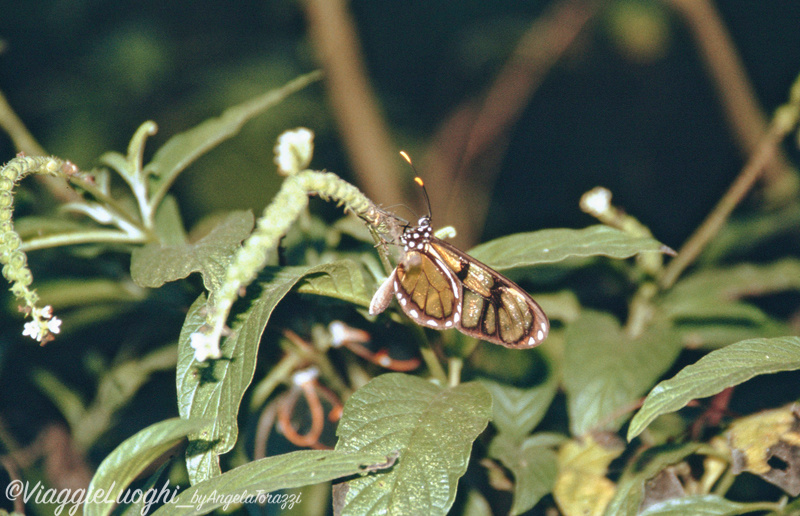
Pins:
<point x="54" y="325"/>
<point x="596" y="201"/>
<point x="204" y="347"/>
<point x="305" y="376"/>
<point x="293" y="150"/>
<point x="31" y="330"/>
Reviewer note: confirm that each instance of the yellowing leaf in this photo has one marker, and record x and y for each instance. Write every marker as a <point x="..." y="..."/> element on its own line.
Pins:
<point x="581" y="487"/>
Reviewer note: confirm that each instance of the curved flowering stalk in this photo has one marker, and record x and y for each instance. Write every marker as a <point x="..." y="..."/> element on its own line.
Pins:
<point x="43" y="325"/>
<point x="293" y="152"/>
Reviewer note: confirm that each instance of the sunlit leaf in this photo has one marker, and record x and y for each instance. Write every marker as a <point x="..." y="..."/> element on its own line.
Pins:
<point x="581" y="487"/>
<point x="156" y="264"/>
<point x="716" y="371"/>
<point x="431" y="427"/>
<point x="553" y="245"/>
<point x="606" y="371"/>
<point x="269" y="474"/>
<point x="131" y="458"/>
<point x="343" y="279"/>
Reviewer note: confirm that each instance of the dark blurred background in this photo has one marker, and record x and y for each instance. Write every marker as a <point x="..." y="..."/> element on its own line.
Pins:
<point x="627" y="102"/>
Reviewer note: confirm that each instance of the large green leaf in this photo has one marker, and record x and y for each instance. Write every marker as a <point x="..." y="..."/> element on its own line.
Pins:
<point x="716" y="371"/>
<point x="287" y="471"/>
<point x="214" y="390"/>
<point x="343" y="279"/>
<point x="131" y="458"/>
<point x="431" y="427"/>
<point x="606" y="371"/>
<point x="156" y="264"/>
<point x="183" y="149"/>
<point x="518" y="411"/>
<point x="554" y="245"/>
<point x="534" y="467"/>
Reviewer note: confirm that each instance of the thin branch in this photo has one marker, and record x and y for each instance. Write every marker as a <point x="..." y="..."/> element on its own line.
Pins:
<point x="737" y="96"/>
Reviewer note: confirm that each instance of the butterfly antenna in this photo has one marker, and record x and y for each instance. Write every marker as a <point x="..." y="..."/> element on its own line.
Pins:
<point x="419" y="181"/>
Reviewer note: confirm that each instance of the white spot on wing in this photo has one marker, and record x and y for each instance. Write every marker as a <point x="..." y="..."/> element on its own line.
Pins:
<point x="539" y="335"/>
<point x="448" y="324"/>
<point x="433" y="323"/>
<point x="413" y="313"/>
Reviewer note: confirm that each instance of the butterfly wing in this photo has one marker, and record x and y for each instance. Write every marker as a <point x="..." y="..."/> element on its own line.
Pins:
<point x="493" y="308"/>
<point x="428" y="291"/>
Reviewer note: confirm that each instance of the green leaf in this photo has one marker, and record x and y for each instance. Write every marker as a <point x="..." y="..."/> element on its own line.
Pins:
<point x="518" y="411"/>
<point x="169" y="223"/>
<point x="183" y="149"/>
<point x="606" y="371"/>
<point x="214" y="390"/>
<point x="156" y="264"/>
<point x="630" y="488"/>
<point x="715" y="372"/>
<point x="699" y="505"/>
<point x="343" y="279"/>
<point x="131" y="458"/>
<point x="554" y="245"/>
<point x="715" y="293"/>
<point x="286" y="471"/>
<point x="534" y="468"/>
<point x="431" y="427"/>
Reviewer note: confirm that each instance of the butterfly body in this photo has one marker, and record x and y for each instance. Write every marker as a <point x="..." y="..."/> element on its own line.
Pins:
<point x="441" y="287"/>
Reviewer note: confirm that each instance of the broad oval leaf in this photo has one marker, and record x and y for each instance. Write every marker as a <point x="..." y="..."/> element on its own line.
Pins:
<point x="715" y="372"/>
<point x="534" y="467"/>
<point x="130" y="458"/>
<point x="286" y="471"/>
<point x="431" y="427"/>
<point x="156" y="264"/>
<point x="554" y="245"/>
<point x="605" y="371"/>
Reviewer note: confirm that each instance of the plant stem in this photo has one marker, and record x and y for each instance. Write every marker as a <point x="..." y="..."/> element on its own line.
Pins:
<point x="783" y="122"/>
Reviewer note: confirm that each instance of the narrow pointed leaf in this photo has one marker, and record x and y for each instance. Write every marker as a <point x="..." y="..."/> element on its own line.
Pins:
<point x="431" y="427"/>
<point x="715" y="372"/>
<point x="133" y="456"/>
<point x="700" y="505"/>
<point x="287" y="471"/>
<point x="183" y="149"/>
<point x="214" y="390"/>
<point x="554" y="245"/>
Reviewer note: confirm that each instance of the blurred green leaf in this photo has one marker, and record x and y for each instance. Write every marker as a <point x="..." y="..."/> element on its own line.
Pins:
<point x="553" y="245"/>
<point x="342" y="279"/>
<point x="168" y="222"/>
<point x="715" y="293"/>
<point x="715" y="372"/>
<point x="518" y="411"/>
<point x="269" y="474"/>
<point x="534" y="468"/>
<point x="156" y="264"/>
<point x="431" y="427"/>
<point x="700" y="505"/>
<point x="605" y="371"/>
<point x="131" y="458"/>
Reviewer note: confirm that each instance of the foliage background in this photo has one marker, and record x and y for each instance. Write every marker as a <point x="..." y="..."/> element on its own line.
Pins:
<point x="629" y="105"/>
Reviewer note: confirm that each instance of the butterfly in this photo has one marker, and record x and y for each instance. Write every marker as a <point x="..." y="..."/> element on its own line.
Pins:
<point x="442" y="287"/>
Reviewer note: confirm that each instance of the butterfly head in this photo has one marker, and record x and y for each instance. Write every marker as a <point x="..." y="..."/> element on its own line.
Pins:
<point x="415" y="238"/>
